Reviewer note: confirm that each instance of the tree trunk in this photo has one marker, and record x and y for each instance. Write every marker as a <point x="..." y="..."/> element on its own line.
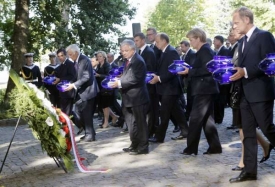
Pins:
<point x="19" y="39"/>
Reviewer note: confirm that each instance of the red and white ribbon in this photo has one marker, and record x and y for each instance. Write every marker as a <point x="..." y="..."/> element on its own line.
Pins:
<point x="78" y="159"/>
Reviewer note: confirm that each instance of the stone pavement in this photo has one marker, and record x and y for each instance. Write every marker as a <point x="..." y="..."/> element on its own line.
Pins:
<point x="28" y="166"/>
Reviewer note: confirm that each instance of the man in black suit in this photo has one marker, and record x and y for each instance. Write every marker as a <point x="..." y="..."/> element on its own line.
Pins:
<point x="258" y="89"/>
<point x="151" y="35"/>
<point x="149" y="58"/>
<point x="221" y="98"/>
<point x="86" y="88"/>
<point x="169" y="90"/>
<point x="189" y="57"/>
<point x="66" y="72"/>
<point x="135" y="98"/>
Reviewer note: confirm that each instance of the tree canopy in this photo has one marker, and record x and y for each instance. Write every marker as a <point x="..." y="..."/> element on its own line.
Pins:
<point x="177" y="17"/>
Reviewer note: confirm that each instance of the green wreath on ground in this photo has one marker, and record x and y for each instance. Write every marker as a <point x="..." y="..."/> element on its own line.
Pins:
<point x="44" y="120"/>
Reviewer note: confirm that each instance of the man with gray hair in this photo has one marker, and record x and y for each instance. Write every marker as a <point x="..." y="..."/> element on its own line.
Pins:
<point x="86" y="89"/>
<point x="135" y="98"/>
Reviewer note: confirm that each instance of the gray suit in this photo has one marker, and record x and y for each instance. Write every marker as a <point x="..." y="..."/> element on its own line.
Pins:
<point x="87" y="90"/>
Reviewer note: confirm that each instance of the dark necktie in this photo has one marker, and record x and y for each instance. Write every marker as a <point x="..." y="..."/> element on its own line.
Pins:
<point x="152" y="46"/>
<point x="139" y="52"/>
<point x="127" y="63"/>
<point x="244" y="42"/>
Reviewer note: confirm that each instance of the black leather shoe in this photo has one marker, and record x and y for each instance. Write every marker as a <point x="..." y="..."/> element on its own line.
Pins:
<point x="232" y="127"/>
<point x="265" y="158"/>
<point x="154" y="140"/>
<point x="88" y="139"/>
<point x="124" y="130"/>
<point x="186" y="153"/>
<point x="244" y="176"/>
<point x="212" y="152"/>
<point x="81" y="138"/>
<point x="179" y="137"/>
<point x="129" y="149"/>
<point x="139" y="152"/>
<point x="237" y="168"/>
<point x="176" y="129"/>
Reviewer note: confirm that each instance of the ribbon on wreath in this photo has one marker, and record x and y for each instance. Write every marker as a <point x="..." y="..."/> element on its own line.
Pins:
<point x="78" y="159"/>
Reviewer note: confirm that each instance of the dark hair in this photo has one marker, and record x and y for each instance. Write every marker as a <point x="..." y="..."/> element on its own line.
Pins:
<point x="218" y="37"/>
<point x="140" y="34"/>
<point x="164" y="36"/>
<point x="152" y="29"/>
<point x="61" y="50"/>
<point x="186" y="43"/>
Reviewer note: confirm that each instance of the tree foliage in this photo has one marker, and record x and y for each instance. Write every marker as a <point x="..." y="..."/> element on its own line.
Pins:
<point x="55" y="23"/>
<point x="176" y="17"/>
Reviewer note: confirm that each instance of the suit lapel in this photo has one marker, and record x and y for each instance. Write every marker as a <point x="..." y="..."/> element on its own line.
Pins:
<point x="249" y="43"/>
<point x="162" y="55"/>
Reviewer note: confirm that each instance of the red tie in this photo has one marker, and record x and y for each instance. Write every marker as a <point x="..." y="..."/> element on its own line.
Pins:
<point x="127" y="63"/>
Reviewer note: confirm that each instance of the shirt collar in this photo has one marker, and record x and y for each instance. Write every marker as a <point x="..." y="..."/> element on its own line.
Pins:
<point x="165" y="48"/>
<point x="249" y="33"/>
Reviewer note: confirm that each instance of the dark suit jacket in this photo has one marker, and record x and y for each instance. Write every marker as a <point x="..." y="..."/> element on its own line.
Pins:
<point x="157" y="51"/>
<point x="103" y="72"/>
<point x="170" y="83"/>
<point x="66" y="71"/>
<point x="232" y="51"/>
<point x="134" y="90"/>
<point x="257" y="87"/>
<point x="202" y="81"/>
<point x="149" y="58"/>
<point x="113" y="65"/>
<point x="189" y="58"/>
<point x="86" y="84"/>
<point x="223" y="52"/>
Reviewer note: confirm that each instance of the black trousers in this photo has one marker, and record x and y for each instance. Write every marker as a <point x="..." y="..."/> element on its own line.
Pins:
<point x="170" y="106"/>
<point x="201" y="117"/>
<point x="66" y="105"/>
<point x="153" y="114"/>
<point x="254" y="115"/>
<point x="83" y="115"/>
<point x="189" y="101"/>
<point x="135" y="118"/>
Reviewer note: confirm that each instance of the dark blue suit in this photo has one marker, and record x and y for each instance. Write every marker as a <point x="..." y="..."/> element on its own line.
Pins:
<point x="258" y="95"/>
<point x="169" y="91"/>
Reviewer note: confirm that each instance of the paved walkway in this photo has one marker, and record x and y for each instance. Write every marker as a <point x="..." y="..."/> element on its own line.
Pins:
<point x="27" y="166"/>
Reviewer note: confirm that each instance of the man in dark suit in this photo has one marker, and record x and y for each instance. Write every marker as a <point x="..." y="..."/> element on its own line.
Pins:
<point x="135" y="98"/>
<point x="86" y="88"/>
<point x="149" y="58"/>
<point x="189" y="57"/>
<point x="258" y="89"/>
<point x="221" y="98"/>
<point x="169" y="90"/>
<point x="66" y="72"/>
<point x="151" y="35"/>
<point x="110" y="59"/>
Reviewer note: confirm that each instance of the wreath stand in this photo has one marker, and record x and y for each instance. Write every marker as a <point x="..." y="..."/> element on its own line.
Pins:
<point x="58" y="161"/>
